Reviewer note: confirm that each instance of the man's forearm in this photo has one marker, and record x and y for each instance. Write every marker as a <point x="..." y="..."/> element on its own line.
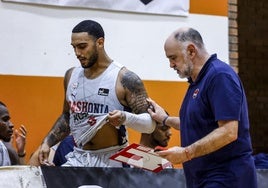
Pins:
<point x="59" y="131"/>
<point x="215" y="140"/>
<point x="173" y="122"/>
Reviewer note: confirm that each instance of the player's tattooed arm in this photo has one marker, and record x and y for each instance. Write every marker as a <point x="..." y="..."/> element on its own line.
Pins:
<point x="59" y="131"/>
<point x="136" y="94"/>
<point x="61" y="127"/>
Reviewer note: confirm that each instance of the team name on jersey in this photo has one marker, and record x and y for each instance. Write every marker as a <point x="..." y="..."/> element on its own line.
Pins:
<point x="88" y="107"/>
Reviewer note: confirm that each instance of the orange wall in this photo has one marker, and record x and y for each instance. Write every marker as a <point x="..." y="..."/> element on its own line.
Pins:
<point x="36" y="102"/>
<point x="210" y="7"/>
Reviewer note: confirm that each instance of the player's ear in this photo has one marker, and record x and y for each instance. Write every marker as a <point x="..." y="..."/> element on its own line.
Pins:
<point x="100" y="42"/>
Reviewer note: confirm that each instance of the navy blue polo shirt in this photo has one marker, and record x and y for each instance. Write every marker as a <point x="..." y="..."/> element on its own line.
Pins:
<point x="217" y="94"/>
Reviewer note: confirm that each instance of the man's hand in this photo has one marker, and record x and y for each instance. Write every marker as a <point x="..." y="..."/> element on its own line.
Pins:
<point x="175" y="155"/>
<point x="20" y="139"/>
<point x="116" y="118"/>
<point x="156" y="111"/>
<point x="43" y="154"/>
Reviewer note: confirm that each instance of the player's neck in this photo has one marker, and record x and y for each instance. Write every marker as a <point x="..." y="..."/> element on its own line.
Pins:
<point x="96" y="70"/>
<point x="148" y="142"/>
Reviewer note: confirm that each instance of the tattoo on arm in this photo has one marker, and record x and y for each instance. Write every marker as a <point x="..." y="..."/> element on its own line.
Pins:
<point x="136" y="97"/>
<point x="61" y="127"/>
<point x="60" y="130"/>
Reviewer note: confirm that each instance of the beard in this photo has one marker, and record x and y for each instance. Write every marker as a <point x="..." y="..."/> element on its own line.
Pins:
<point x="187" y="70"/>
<point x="162" y="143"/>
<point x="92" y="60"/>
<point x="6" y="139"/>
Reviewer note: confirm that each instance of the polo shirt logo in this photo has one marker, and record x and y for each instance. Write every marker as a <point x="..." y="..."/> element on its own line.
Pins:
<point x="195" y="93"/>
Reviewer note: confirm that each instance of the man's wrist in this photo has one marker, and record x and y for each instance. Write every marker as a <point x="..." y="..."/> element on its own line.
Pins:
<point x="164" y="120"/>
<point x="22" y="154"/>
<point x="188" y="152"/>
<point x="122" y="117"/>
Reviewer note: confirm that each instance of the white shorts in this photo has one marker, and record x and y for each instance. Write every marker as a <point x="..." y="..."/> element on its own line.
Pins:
<point x="93" y="158"/>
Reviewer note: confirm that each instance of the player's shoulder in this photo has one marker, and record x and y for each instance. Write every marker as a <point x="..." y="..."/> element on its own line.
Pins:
<point x="69" y="71"/>
<point x="68" y="75"/>
<point x="128" y="75"/>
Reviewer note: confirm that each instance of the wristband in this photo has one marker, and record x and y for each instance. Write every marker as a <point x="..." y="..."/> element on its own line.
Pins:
<point x="187" y="153"/>
<point x="22" y="155"/>
<point x="164" y="120"/>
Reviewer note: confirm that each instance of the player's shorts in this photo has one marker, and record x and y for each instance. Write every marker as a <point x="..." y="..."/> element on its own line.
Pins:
<point x="93" y="158"/>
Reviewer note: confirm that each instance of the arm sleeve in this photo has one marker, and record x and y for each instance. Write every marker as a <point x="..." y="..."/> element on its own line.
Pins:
<point x="140" y="122"/>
